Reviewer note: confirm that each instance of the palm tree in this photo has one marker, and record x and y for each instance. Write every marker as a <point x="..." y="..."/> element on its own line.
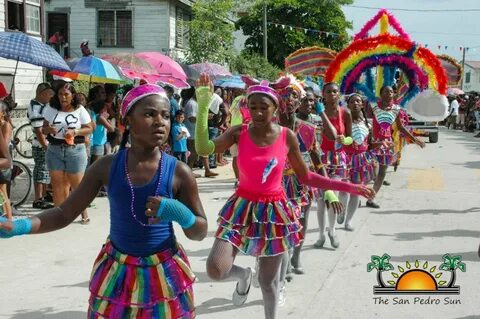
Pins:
<point x="452" y="264"/>
<point x="381" y="264"/>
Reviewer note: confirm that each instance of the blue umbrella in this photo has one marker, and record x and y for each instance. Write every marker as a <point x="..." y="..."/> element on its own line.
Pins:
<point x="20" y="47"/>
<point x="234" y="82"/>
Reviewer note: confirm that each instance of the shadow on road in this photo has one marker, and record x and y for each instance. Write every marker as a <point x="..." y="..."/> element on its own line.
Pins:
<point x="438" y="234"/>
<point x="80" y="284"/>
<point x="49" y="313"/>
<point x="466" y="256"/>
<point x="432" y="211"/>
<point x="221" y="304"/>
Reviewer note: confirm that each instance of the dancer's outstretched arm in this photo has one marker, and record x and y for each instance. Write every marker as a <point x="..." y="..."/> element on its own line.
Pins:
<point x="315" y="180"/>
<point x="60" y="217"/>
<point x="407" y="133"/>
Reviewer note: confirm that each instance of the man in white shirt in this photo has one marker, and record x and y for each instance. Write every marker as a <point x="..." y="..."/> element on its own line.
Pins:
<point x="41" y="177"/>
<point x="452" y="117"/>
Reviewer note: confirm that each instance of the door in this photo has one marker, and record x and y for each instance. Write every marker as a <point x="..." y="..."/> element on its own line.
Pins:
<point x="58" y="31"/>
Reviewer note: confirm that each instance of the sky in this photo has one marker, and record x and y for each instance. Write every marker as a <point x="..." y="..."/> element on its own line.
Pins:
<point x="445" y="28"/>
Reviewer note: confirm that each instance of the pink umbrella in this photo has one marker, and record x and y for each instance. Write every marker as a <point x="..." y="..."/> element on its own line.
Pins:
<point x="163" y="64"/>
<point x="214" y="70"/>
<point x="155" y="78"/>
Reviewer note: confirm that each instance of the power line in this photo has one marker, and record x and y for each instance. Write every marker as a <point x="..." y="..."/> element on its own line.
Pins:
<point x="416" y="10"/>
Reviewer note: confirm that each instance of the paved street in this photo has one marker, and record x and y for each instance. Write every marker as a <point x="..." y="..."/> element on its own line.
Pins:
<point x="431" y="208"/>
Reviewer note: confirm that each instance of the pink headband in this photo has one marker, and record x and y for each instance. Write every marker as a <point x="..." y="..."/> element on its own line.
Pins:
<point x="139" y="92"/>
<point x="266" y="88"/>
<point x="263" y="88"/>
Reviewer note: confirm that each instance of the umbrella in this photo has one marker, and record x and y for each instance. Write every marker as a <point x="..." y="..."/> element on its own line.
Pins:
<point x="192" y="74"/>
<point x="163" y="64"/>
<point x="214" y="70"/>
<point x="130" y="61"/>
<point x="20" y="47"/>
<point x="152" y="67"/>
<point x="310" y="61"/>
<point x="235" y="82"/>
<point x="455" y="91"/>
<point x="91" y="69"/>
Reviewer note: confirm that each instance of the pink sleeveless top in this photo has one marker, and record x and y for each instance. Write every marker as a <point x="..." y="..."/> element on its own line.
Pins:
<point x="339" y="124"/>
<point x="261" y="167"/>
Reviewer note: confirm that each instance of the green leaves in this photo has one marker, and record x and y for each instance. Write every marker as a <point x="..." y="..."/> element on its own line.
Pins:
<point x="452" y="263"/>
<point x="323" y="15"/>
<point x="211" y="32"/>
<point x="254" y="65"/>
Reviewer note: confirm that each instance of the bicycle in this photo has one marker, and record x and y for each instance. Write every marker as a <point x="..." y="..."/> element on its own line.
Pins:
<point x="20" y="183"/>
<point x="23" y="138"/>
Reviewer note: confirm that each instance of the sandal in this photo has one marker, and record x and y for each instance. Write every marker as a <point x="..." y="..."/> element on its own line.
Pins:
<point x="85" y="221"/>
<point x="40" y="204"/>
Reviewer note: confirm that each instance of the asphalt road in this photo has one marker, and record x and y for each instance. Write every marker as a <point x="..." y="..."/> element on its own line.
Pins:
<point x="431" y="208"/>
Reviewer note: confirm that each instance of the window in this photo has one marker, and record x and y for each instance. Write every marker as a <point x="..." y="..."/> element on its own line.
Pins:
<point x="467" y="77"/>
<point x="115" y="28"/>
<point x="182" y="26"/>
<point x="24" y="15"/>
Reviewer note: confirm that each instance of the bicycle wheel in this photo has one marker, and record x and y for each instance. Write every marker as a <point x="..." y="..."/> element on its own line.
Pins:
<point x="23" y="140"/>
<point x="20" y="184"/>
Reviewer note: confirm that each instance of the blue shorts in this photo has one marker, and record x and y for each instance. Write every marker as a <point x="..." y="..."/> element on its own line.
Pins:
<point x="71" y="159"/>
<point x="97" y="150"/>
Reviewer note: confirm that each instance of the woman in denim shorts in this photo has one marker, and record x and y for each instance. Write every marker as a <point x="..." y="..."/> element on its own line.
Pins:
<point x="66" y="125"/>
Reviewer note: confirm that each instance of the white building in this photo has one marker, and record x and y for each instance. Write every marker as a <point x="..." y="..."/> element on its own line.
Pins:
<point x="113" y="26"/>
<point x="471" y="76"/>
<point x="25" y="16"/>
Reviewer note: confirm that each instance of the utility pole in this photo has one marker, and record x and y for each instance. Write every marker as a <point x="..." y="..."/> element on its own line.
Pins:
<point x="463" y="69"/>
<point x="265" y="49"/>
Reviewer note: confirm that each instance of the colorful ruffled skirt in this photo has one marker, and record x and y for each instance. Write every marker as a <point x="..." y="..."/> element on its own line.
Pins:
<point x="336" y="164"/>
<point x="158" y="286"/>
<point x="361" y="167"/>
<point x="265" y="225"/>
<point x="300" y="194"/>
<point x="385" y="156"/>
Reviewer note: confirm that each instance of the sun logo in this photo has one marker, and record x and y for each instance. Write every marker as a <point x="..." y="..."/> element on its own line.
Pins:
<point x="416" y="278"/>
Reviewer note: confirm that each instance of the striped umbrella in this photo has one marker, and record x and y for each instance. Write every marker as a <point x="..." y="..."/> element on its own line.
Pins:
<point x="309" y="61"/>
<point x="91" y="69"/>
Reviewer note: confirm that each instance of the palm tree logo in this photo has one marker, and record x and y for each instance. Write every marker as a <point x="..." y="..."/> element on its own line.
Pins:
<point x="416" y="277"/>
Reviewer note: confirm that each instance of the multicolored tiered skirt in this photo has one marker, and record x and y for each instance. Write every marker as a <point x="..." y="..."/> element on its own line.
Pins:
<point x="385" y="156"/>
<point x="336" y="164"/>
<point x="158" y="286"/>
<point x="265" y="225"/>
<point x="361" y="167"/>
<point x="301" y="194"/>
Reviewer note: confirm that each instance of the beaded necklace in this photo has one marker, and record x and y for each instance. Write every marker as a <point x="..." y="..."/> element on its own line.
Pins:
<point x="132" y="192"/>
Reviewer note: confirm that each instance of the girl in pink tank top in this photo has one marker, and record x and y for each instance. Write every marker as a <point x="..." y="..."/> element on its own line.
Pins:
<point x="257" y="219"/>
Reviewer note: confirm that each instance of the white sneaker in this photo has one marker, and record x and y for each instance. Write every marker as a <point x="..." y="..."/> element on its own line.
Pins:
<point x="239" y="299"/>
<point x="282" y="296"/>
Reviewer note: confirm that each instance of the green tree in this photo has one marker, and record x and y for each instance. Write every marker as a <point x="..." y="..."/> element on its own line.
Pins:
<point x="323" y="15"/>
<point x="381" y="264"/>
<point x="254" y="65"/>
<point x="211" y="31"/>
<point x="452" y="264"/>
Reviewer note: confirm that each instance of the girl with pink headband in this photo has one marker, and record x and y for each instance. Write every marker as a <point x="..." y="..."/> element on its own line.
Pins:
<point x="141" y="271"/>
<point x="258" y="220"/>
